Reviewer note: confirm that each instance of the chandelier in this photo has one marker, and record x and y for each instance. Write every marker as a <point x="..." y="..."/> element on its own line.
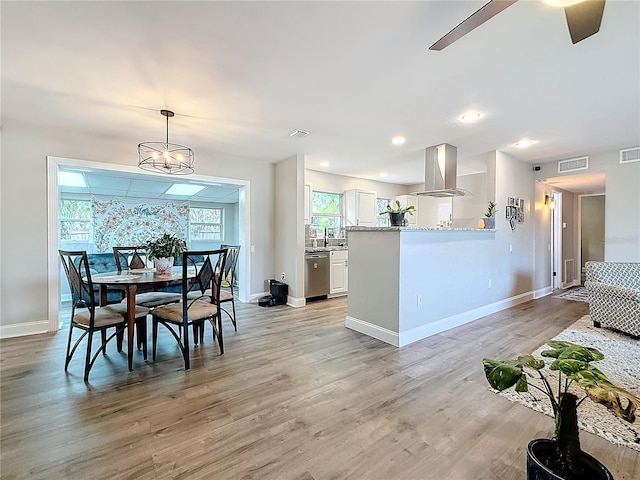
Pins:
<point x="165" y="157"/>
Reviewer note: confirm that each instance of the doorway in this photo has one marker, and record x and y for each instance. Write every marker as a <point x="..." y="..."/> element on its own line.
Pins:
<point x="591" y="230"/>
<point x="55" y="164"/>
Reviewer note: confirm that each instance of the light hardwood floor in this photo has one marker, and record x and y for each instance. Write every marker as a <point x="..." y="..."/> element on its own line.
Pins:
<point x="296" y="396"/>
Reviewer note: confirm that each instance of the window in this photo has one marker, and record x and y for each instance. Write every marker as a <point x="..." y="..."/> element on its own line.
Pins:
<point x="205" y="224"/>
<point x="75" y="220"/>
<point x="382" y="220"/>
<point x="326" y="213"/>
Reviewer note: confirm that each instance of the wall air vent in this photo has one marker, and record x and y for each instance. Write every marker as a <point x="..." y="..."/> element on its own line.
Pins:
<point x="296" y="132"/>
<point x="629" y="155"/>
<point x="573" y="164"/>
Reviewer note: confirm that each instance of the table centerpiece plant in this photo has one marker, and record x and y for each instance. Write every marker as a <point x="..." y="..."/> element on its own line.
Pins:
<point x="164" y="250"/>
<point x="396" y="215"/>
<point x="561" y="456"/>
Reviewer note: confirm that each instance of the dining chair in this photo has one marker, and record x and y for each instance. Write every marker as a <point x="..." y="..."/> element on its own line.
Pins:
<point x="131" y="258"/>
<point x="227" y="294"/>
<point x="194" y="310"/>
<point x="86" y="315"/>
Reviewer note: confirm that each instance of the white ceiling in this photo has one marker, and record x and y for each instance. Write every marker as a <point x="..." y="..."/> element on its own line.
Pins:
<point x="241" y="75"/>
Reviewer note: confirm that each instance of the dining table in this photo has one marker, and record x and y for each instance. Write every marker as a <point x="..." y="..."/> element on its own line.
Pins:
<point x="130" y="281"/>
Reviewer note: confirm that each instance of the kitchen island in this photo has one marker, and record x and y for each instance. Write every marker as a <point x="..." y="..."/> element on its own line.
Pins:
<point x="407" y="283"/>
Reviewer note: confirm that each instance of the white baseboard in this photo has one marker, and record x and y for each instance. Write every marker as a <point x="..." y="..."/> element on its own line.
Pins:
<point x="409" y="336"/>
<point x="22" y="329"/>
<point x="296" y="302"/>
<point x="542" y="292"/>
<point x="372" y="330"/>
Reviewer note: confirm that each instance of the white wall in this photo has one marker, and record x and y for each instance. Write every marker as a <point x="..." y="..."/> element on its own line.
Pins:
<point x="23" y="236"/>
<point x="327" y="182"/>
<point x="622" y="210"/>
<point x="289" y="226"/>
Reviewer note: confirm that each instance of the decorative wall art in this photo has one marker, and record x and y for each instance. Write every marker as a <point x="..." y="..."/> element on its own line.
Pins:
<point x="515" y="211"/>
<point x="133" y="222"/>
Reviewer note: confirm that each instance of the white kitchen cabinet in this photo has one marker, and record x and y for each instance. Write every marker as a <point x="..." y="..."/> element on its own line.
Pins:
<point x="405" y="201"/>
<point x="339" y="268"/>
<point x="308" y="203"/>
<point x="360" y="208"/>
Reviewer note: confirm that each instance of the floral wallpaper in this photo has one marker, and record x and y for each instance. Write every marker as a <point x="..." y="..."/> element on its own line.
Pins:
<point x="132" y="222"/>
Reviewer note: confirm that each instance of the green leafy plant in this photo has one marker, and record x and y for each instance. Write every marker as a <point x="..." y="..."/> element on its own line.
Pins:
<point x="165" y="246"/>
<point x="408" y="209"/>
<point x="491" y="209"/>
<point x="573" y="364"/>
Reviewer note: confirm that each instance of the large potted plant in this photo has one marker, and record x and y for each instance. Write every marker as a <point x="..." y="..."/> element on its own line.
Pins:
<point x="163" y="250"/>
<point x="561" y="457"/>
<point x="396" y="215"/>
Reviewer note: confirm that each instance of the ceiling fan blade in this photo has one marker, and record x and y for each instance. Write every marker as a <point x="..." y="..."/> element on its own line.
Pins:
<point x="476" y="19"/>
<point x="583" y="19"/>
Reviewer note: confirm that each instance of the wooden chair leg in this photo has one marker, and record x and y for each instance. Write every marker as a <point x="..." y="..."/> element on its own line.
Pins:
<point x="68" y="358"/>
<point x="155" y="337"/>
<point x="233" y="308"/>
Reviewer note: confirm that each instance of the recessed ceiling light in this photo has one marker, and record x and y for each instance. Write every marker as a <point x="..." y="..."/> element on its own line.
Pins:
<point x="71" y="179"/>
<point x="524" y="143"/>
<point x="470" y="117"/>
<point x="324" y="163"/>
<point x="399" y="140"/>
<point x="186" y="189"/>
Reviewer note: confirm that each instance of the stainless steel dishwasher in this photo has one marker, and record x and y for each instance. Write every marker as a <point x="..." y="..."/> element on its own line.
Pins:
<point x="316" y="274"/>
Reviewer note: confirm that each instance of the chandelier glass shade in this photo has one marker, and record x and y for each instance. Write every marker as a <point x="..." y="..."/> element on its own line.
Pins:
<point x="165" y="157"/>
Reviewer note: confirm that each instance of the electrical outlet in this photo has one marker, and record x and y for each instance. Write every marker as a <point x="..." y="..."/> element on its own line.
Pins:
<point x="489" y="283"/>
<point x="419" y="299"/>
<point x="282" y="276"/>
<point x="510" y="248"/>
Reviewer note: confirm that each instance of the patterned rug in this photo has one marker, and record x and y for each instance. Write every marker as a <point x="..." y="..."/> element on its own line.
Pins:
<point x="621" y="364"/>
<point x="577" y="294"/>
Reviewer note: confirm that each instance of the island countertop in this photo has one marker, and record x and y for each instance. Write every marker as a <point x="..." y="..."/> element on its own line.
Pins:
<point x="417" y="229"/>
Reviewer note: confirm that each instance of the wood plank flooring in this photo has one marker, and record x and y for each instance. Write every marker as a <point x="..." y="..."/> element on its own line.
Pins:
<point x="295" y="396"/>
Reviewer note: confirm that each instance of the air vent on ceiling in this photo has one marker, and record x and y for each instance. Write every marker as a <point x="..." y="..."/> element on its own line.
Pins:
<point x="628" y="155"/>
<point x="573" y="164"/>
<point x="296" y="132"/>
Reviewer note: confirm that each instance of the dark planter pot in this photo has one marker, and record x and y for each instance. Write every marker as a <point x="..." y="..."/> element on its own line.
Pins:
<point x="541" y="449"/>
<point x="396" y="219"/>
<point x="489" y="222"/>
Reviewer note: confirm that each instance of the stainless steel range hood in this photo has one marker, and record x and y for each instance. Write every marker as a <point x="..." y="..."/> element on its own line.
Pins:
<point x="440" y="170"/>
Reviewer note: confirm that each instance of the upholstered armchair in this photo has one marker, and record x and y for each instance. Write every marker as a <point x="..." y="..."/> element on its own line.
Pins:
<point x="614" y="295"/>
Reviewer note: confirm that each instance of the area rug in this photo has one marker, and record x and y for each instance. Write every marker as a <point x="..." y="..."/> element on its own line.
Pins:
<point x="577" y="294"/>
<point x="621" y="364"/>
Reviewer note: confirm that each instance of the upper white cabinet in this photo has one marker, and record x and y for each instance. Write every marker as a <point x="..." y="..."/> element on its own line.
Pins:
<point x="308" y="202"/>
<point x="360" y="208"/>
<point x="405" y="201"/>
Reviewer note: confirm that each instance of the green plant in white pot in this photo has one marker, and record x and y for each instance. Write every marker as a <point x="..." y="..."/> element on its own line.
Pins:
<point x="490" y="220"/>
<point x="396" y="215"/>
<point x="164" y="250"/>
<point x="561" y="456"/>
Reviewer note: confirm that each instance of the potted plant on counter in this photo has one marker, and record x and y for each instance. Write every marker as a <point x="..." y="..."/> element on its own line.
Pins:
<point x="561" y="456"/>
<point x="163" y="250"/>
<point x="396" y="215"/>
<point x="490" y="220"/>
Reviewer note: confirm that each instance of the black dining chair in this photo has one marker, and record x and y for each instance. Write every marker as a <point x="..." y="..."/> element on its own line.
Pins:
<point x="229" y="281"/>
<point x="201" y="283"/>
<point x="89" y="317"/>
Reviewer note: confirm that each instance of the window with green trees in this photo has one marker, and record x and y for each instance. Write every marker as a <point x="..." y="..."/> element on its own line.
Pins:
<point x="205" y="223"/>
<point x="326" y="213"/>
<point x="75" y="220"/>
<point x="382" y="220"/>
